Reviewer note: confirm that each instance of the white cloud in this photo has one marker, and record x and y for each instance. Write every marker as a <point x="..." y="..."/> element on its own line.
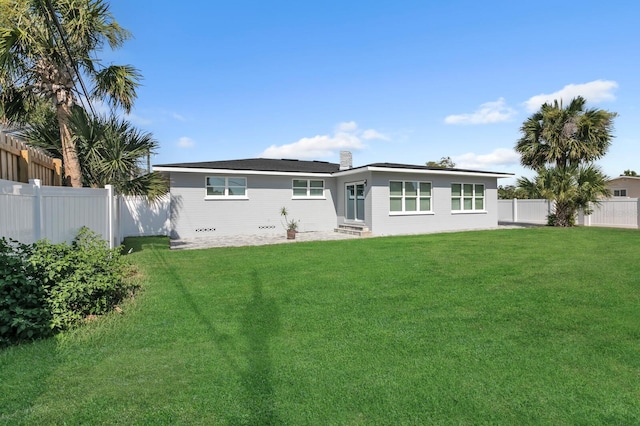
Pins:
<point x="347" y="136"/>
<point x="185" y="142"/>
<point x="489" y="112"/>
<point x="501" y="157"/>
<point x="594" y="92"/>
<point x="370" y="134"/>
<point x="347" y="126"/>
<point x="178" y="117"/>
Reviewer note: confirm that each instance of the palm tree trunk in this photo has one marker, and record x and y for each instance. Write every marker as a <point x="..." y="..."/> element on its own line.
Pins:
<point x="56" y="80"/>
<point x="565" y="214"/>
<point x="72" y="171"/>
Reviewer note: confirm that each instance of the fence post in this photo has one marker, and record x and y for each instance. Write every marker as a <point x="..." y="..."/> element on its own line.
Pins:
<point x="23" y="166"/>
<point x="638" y="213"/>
<point x="37" y="209"/>
<point x="121" y="201"/>
<point x="57" y="172"/>
<point x="110" y="226"/>
<point x="515" y="210"/>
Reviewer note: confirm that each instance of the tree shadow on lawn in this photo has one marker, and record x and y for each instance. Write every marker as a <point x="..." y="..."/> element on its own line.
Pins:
<point x="260" y="323"/>
<point x="136" y="244"/>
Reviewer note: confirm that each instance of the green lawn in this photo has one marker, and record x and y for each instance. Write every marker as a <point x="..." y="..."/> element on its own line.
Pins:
<point x="523" y="326"/>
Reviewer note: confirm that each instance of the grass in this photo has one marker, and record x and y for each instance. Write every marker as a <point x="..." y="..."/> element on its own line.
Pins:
<point x="535" y="326"/>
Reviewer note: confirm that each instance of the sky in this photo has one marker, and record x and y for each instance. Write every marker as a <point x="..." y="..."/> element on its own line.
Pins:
<point x="391" y="81"/>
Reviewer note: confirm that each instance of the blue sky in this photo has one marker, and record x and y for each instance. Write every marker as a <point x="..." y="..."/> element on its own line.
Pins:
<point x="396" y="81"/>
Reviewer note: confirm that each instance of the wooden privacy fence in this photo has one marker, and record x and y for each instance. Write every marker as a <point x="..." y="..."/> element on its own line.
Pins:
<point x="20" y="162"/>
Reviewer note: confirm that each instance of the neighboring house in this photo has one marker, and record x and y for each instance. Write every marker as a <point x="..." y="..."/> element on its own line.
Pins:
<point x="625" y="186"/>
<point x="245" y="197"/>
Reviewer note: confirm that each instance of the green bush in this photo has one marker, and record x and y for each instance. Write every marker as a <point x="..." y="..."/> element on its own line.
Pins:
<point x="51" y="287"/>
<point x="84" y="278"/>
<point x="23" y="311"/>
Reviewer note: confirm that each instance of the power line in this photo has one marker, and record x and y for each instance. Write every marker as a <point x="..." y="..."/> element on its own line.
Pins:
<point x="56" y="23"/>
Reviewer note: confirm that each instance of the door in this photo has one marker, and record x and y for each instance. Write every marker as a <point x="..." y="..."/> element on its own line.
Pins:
<point x="354" y="206"/>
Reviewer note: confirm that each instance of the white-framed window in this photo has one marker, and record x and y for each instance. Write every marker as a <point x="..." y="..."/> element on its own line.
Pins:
<point x="409" y="196"/>
<point x="467" y="197"/>
<point x="308" y="188"/>
<point x="225" y="187"/>
<point x="619" y="192"/>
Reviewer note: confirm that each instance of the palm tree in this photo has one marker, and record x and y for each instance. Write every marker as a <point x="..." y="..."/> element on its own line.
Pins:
<point x="573" y="189"/>
<point x="565" y="136"/>
<point x="561" y="144"/>
<point x="45" y="48"/>
<point x="111" y="151"/>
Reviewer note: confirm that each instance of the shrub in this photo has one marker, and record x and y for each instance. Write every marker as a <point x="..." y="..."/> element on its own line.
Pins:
<point x="84" y="278"/>
<point x="23" y="311"/>
<point x="51" y="287"/>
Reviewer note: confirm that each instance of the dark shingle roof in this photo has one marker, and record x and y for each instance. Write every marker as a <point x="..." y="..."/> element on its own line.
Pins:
<point x="262" y="164"/>
<point x="300" y="166"/>
<point x="414" y="167"/>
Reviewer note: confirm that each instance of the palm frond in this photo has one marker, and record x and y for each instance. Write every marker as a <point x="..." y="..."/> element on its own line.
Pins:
<point x="564" y="136"/>
<point x="153" y="185"/>
<point x="118" y="83"/>
<point x="45" y="134"/>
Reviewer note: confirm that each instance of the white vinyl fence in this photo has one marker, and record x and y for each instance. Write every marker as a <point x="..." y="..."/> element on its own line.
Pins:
<point x="615" y="212"/>
<point x="141" y="218"/>
<point x="29" y="212"/>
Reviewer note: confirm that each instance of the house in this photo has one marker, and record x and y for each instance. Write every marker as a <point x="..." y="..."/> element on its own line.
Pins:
<point x="625" y="186"/>
<point x="238" y="197"/>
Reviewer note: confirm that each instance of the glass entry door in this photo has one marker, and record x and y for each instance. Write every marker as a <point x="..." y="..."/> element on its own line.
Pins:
<point x="355" y="202"/>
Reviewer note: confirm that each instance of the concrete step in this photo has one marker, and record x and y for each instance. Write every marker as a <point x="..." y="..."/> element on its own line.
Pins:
<point x="359" y="230"/>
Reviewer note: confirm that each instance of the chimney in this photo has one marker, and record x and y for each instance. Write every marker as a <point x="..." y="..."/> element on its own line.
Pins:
<point x="345" y="160"/>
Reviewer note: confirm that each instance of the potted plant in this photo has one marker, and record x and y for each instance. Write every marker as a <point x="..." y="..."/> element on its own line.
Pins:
<point x="291" y="225"/>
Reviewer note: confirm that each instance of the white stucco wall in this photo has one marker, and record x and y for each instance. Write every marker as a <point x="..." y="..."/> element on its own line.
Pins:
<point x="194" y="216"/>
<point x="441" y="218"/>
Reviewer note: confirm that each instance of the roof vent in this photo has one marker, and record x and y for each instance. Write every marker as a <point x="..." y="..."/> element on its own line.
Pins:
<point x="346" y="161"/>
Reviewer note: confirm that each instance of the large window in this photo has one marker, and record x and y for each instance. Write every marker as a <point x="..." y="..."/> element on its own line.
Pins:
<point x="467" y="197"/>
<point x="308" y="188"/>
<point x="409" y="196"/>
<point x="619" y="192"/>
<point x="226" y="187"/>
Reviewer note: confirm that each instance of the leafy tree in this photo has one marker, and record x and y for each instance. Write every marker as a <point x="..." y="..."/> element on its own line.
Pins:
<point x="509" y="192"/>
<point x="45" y="46"/>
<point x="110" y="150"/>
<point x="444" y="163"/>
<point x="630" y="173"/>
<point x="561" y="143"/>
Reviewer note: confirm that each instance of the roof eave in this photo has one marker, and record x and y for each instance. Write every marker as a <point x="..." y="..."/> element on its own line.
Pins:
<point x="423" y="171"/>
<point x="624" y="177"/>
<point x="238" y="171"/>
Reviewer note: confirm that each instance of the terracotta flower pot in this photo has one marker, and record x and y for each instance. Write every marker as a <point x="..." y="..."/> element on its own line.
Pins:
<point x="291" y="234"/>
